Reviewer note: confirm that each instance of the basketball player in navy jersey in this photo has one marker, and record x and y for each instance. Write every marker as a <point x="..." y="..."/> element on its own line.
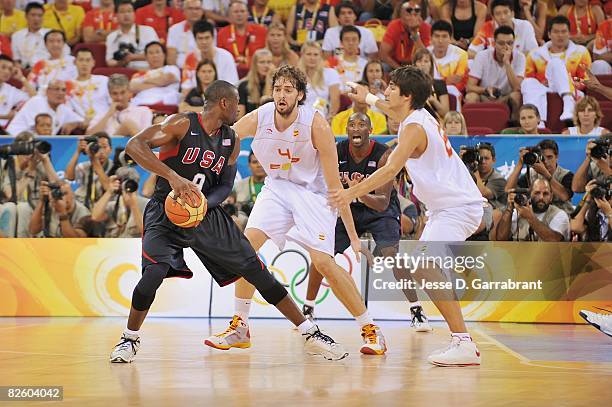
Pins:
<point x="198" y="152"/>
<point x="377" y="212"/>
<point x="440" y="180"/>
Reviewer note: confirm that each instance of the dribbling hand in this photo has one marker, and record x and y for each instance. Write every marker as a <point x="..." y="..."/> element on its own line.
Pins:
<point x="185" y="189"/>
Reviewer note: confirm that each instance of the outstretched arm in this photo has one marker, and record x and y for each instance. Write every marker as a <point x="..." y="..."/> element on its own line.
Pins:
<point x="166" y="135"/>
<point x="246" y="126"/>
<point x="411" y="138"/>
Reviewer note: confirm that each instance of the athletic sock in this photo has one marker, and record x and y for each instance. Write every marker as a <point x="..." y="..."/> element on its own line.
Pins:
<point x="364" y="319"/>
<point x="464" y="336"/>
<point x="242" y="308"/>
<point x="305" y="326"/>
<point x="310" y="303"/>
<point x="131" y="334"/>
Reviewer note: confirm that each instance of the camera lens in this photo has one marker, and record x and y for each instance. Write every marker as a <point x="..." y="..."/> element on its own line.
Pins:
<point x="530" y="158"/>
<point x="94" y="147"/>
<point x="42" y="146"/>
<point x="129" y="185"/>
<point x="599" y="151"/>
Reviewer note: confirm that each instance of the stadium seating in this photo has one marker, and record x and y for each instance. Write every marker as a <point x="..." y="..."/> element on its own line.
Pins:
<point x="479" y="131"/>
<point x="490" y="115"/>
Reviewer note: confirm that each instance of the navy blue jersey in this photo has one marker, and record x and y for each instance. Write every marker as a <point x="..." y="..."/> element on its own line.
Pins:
<point x="199" y="157"/>
<point x="353" y="170"/>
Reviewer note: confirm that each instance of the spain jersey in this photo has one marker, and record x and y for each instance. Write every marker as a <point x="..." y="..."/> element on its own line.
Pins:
<point x="576" y="58"/>
<point x="603" y="38"/>
<point x="455" y="62"/>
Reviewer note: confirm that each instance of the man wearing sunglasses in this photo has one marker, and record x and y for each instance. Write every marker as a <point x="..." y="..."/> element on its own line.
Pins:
<point x="404" y="36"/>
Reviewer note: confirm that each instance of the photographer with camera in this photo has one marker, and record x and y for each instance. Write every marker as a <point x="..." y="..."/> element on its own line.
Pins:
<point x="597" y="163"/>
<point x="593" y="222"/>
<point x="480" y="160"/>
<point x="91" y="175"/>
<point x="57" y="211"/>
<point x="535" y="218"/>
<point x="248" y="188"/>
<point x="125" y="46"/>
<point x="120" y="208"/>
<point x="27" y="165"/>
<point x="542" y="163"/>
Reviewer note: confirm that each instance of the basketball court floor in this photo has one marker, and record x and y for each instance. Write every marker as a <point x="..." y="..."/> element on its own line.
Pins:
<point x="523" y="365"/>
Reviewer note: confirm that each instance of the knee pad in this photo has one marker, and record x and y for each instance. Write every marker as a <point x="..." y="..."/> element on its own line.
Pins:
<point x="145" y="290"/>
<point x="270" y="289"/>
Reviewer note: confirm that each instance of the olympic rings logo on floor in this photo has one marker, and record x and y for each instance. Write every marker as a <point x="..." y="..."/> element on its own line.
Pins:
<point x="299" y="276"/>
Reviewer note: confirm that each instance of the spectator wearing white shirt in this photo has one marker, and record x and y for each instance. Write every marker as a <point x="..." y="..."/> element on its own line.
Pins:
<point x="125" y="46"/>
<point x="216" y="10"/>
<point x="160" y="83"/>
<point x="57" y="67"/>
<point x="65" y="120"/>
<point x="180" y="36"/>
<point x="28" y="44"/>
<point x="346" y="13"/>
<point x="323" y="89"/>
<point x="122" y="118"/>
<point x="349" y="64"/>
<point x="88" y="94"/>
<point x="10" y="96"/>
<point x="204" y="34"/>
<point x="497" y="73"/>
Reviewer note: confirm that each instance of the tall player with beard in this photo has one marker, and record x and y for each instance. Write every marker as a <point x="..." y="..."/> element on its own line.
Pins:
<point x="440" y="180"/>
<point x="296" y="147"/>
<point x="198" y="153"/>
<point x="377" y="212"/>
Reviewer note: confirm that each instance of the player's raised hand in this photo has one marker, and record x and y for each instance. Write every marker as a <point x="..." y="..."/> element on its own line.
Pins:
<point x="185" y="189"/>
<point x="358" y="92"/>
<point x="338" y="198"/>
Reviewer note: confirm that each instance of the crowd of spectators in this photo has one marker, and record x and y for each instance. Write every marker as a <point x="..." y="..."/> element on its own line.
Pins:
<point x="105" y="68"/>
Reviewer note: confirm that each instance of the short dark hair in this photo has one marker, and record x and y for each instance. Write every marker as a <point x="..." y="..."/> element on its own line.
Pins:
<point x="6" y="58"/>
<point x="558" y="20"/>
<point x="442" y="25"/>
<point x="103" y="134"/>
<point x="251" y="154"/>
<point x="218" y="90"/>
<point x="549" y="144"/>
<point x="487" y="146"/>
<point x="356" y="114"/>
<point x="502" y="3"/>
<point x="412" y="82"/>
<point x="153" y="43"/>
<point x="120" y="3"/>
<point x="203" y="26"/>
<point x="39" y="115"/>
<point x="504" y="29"/>
<point x="346" y="4"/>
<point x="33" y="5"/>
<point x="349" y="29"/>
<point x="81" y="50"/>
<point x="295" y="76"/>
<point x="51" y="32"/>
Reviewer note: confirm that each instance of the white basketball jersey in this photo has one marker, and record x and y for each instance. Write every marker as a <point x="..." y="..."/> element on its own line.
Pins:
<point x="288" y="155"/>
<point x="440" y="179"/>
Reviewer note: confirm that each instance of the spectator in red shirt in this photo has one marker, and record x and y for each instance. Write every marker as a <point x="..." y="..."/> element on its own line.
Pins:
<point x="160" y="17"/>
<point x="404" y="36"/>
<point x="5" y="46"/>
<point x="240" y="38"/>
<point x="99" y="22"/>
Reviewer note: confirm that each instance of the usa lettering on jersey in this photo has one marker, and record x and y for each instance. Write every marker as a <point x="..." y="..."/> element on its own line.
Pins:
<point x="207" y="159"/>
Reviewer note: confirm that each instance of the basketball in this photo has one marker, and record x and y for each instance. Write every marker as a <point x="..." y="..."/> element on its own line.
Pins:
<point x="182" y="214"/>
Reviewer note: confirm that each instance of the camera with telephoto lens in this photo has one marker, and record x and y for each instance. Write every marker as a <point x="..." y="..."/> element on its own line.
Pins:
<point x="470" y="157"/>
<point x="128" y="177"/>
<point x="25" y="148"/>
<point x="601" y="149"/>
<point x="124" y="49"/>
<point x="533" y="155"/>
<point x="603" y="190"/>
<point x="56" y="191"/>
<point x="92" y="144"/>
<point x="521" y="196"/>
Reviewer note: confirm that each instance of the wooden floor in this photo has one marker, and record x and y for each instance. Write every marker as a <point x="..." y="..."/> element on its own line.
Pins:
<point x="523" y="365"/>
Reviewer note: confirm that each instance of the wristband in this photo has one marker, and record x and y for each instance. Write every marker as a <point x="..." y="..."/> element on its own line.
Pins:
<point x="371" y="99"/>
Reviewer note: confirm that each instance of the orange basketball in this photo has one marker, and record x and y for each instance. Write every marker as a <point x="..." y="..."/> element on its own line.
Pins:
<point x="182" y="214"/>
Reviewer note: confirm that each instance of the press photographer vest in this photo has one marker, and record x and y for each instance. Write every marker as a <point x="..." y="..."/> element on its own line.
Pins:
<point x="523" y="225"/>
<point x="557" y="175"/>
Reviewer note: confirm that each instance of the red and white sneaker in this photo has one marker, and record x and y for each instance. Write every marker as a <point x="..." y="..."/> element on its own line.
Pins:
<point x="236" y="336"/>
<point x="373" y="340"/>
<point x="459" y="353"/>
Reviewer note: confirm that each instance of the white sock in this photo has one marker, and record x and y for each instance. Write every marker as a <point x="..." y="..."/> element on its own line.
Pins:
<point x="415" y="304"/>
<point x="364" y="319"/>
<point x="464" y="336"/>
<point x="310" y="303"/>
<point x="242" y="308"/>
<point x="305" y="326"/>
<point x="131" y="333"/>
